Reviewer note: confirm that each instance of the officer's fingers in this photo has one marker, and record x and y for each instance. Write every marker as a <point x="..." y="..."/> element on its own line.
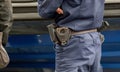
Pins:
<point x="59" y="11"/>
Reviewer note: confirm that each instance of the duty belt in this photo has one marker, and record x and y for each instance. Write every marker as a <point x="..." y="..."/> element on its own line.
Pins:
<point x="83" y="32"/>
<point x="61" y="35"/>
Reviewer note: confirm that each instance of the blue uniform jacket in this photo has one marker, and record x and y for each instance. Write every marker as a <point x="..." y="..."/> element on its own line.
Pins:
<point x="78" y="14"/>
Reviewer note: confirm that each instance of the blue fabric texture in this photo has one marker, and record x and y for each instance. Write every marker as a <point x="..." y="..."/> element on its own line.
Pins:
<point x="81" y="54"/>
<point x="78" y="14"/>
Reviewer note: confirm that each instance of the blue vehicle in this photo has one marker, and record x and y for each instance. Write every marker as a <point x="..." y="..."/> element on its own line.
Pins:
<point x="29" y="44"/>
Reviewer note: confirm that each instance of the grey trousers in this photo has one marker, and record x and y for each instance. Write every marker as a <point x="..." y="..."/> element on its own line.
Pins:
<point x="5" y="18"/>
<point x="81" y="54"/>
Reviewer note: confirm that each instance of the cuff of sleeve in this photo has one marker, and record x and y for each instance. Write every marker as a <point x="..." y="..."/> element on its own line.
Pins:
<point x="48" y="9"/>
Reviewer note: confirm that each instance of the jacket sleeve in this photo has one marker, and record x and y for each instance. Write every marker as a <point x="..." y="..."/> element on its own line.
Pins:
<point x="47" y="8"/>
<point x="5" y="15"/>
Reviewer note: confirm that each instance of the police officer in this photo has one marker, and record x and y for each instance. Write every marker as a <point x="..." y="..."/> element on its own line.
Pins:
<point x="5" y="26"/>
<point x="82" y="53"/>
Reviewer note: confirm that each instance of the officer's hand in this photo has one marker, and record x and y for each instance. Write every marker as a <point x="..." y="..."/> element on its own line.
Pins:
<point x="59" y="11"/>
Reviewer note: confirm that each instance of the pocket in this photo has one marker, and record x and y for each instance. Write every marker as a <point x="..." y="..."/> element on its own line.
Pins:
<point x="60" y="48"/>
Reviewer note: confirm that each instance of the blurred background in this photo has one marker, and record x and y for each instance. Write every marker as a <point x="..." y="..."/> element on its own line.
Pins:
<point x="31" y="50"/>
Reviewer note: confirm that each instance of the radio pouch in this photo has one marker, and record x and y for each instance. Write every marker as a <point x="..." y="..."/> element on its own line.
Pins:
<point x="51" y="30"/>
<point x="63" y="34"/>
